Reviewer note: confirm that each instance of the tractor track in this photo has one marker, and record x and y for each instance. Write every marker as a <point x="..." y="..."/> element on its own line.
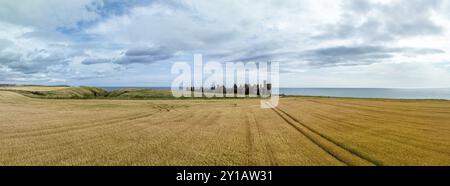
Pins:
<point x="257" y="131"/>
<point x="333" y="148"/>
<point x="86" y="125"/>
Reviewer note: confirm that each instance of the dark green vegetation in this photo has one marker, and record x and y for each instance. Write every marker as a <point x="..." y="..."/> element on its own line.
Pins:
<point x="66" y="93"/>
<point x="139" y="93"/>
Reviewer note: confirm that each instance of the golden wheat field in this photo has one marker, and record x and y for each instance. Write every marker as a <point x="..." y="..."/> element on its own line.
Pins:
<point x="300" y="131"/>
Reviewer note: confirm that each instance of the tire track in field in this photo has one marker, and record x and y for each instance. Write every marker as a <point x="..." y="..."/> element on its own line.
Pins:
<point x="124" y="131"/>
<point x="109" y="123"/>
<point x="86" y="125"/>
<point x="130" y="129"/>
<point x="66" y="148"/>
<point x="333" y="148"/>
<point x="371" y="109"/>
<point x="63" y="146"/>
<point x="166" y="140"/>
<point x="249" y="139"/>
<point x="412" y="124"/>
<point x="261" y="132"/>
<point x="75" y="124"/>
<point x="391" y="135"/>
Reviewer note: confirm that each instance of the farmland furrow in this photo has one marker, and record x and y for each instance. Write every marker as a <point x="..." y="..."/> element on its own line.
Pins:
<point x="126" y="127"/>
<point x="388" y="133"/>
<point x="64" y="146"/>
<point x="380" y="111"/>
<point x="376" y="116"/>
<point x="330" y="146"/>
<point x="269" y="151"/>
<point x="136" y="133"/>
<point x="249" y="139"/>
<point x="166" y="139"/>
<point x="86" y="125"/>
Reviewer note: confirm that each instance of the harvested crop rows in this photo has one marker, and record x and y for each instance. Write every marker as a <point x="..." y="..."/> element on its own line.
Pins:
<point x="328" y="145"/>
<point x="300" y="131"/>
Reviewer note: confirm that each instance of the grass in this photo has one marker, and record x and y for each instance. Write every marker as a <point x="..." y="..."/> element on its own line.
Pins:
<point x="301" y="131"/>
<point x="33" y="88"/>
<point x="59" y="92"/>
<point x="87" y="93"/>
<point x="139" y="93"/>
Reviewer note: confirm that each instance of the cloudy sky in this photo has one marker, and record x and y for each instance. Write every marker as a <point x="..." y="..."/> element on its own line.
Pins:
<point x="354" y="43"/>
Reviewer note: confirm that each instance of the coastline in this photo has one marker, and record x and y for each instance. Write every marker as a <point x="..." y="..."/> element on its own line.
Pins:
<point x="41" y="91"/>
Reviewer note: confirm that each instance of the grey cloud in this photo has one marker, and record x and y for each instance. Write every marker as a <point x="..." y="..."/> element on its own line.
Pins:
<point x="345" y="56"/>
<point x="339" y="56"/>
<point x="37" y="65"/>
<point x="145" y="55"/>
<point x="144" y="52"/>
<point x="91" y="61"/>
<point x="136" y="55"/>
<point x="363" y="50"/>
<point x="270" y="56"/>
<point x="34" y="62"/>
<point x="419" y="51"/>
<point x="359" y="55"/>
<point x="6" y="58"/>
<point x="262" y="51"/>
<point x="142" y="59"/>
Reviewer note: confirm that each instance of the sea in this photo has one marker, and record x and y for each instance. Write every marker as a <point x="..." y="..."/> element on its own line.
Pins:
<point x="390" y="93"/>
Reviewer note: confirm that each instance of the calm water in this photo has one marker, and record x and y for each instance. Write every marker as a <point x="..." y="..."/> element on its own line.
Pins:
<point x="423" y="93"/>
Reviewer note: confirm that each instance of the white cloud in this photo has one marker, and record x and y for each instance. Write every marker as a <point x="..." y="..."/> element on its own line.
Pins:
<point x="327" y="42"/>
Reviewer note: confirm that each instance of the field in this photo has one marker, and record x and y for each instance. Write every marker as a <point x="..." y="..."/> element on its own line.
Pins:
<point x="32" y="88"/>
<point x="301" y="131"/>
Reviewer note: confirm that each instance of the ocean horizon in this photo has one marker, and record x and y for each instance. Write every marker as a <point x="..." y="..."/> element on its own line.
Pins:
<point x="389" y="93"/>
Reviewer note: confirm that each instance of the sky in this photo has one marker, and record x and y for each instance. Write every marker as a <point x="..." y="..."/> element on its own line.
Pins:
<point x="318" y="43"/>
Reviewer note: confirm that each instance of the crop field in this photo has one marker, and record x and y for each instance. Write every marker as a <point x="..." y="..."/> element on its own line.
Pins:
<point x="300" y="131"/>
<point x="32" y="88"/>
